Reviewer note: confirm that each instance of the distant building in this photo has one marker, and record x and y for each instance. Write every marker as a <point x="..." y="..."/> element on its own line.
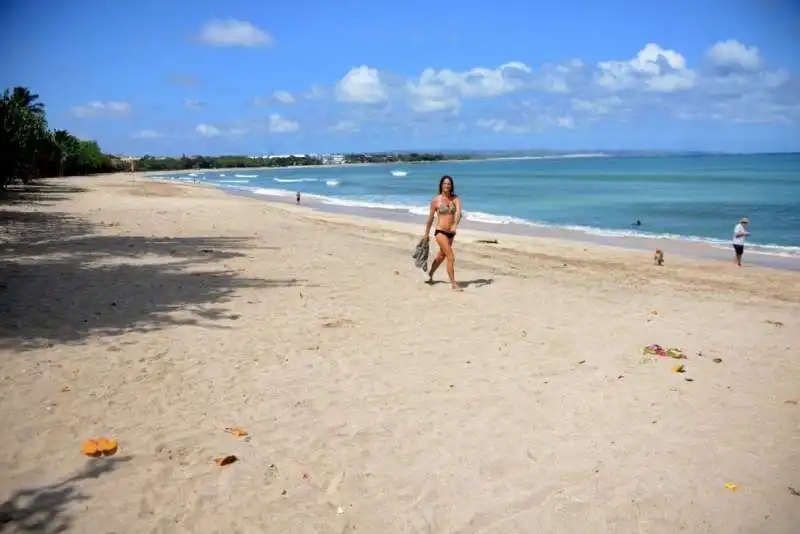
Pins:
<point x="332" y="159"/>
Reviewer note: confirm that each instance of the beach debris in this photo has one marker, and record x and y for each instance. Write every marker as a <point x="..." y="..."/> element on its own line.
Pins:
<point x="679" y="369"/>
<point x="689" y="379"/>
<point x="651" y="351"/>
<point x="339" y="323"/>
<point x="237" y="432"/>
<point x="676" y="354"/>
<point x="207" y="250"/>
<point x="731" y="486"/>
<point x="339" y="510"/>
<point x="99" y="447"/>
<point x="653" y="312"/>
<point x="790" y="401"/>
<point x="487" y="241"/>
<point x="225" y="460"/>
<point x="581" y="362"/>
<point x="717" y="360"/>
<point x="66" y="389"/>
<point x="90" y="448"/>
<point x="108" y="446"/>
<point x="794" y="492"/>
<point x="776" y="324"/>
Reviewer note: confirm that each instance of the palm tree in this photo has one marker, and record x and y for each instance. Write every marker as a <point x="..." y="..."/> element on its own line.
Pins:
<point x="66" y="143"/>
<point x="23" y="97"/>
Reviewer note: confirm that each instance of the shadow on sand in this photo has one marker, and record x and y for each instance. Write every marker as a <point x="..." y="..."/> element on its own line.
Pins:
<point x="478" y="282"/>
<point x="61" y="281"/>
<point x="45" y="509"/>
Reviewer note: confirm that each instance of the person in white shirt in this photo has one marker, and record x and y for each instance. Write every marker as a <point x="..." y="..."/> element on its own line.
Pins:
<point x="739" y="234"/>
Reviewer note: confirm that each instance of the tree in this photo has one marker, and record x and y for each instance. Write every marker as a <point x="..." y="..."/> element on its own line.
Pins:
<point x="25" y="99"/>
<point x="29" y="149"/>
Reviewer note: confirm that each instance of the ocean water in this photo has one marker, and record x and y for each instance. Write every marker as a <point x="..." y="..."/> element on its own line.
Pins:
<point x="694" y="198"/>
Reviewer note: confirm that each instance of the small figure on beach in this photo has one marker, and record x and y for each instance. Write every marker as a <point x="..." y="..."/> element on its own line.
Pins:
<point x="658" y="258"/>
<point x="298" y="198"/>
<point x="740" y="233"/>
<point x="446" y="208"/>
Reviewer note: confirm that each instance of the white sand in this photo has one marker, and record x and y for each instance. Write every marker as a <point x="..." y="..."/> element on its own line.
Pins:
<point x="162" y="314"/>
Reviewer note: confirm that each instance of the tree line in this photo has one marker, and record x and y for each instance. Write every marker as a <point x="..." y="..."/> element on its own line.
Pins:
<point x="401" y="157"/>
<point x="155" y="164"/>
<point x="29" y="149"/>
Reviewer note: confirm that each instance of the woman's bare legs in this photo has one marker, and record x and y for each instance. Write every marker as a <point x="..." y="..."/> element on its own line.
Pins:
<point x="445" y="252"/>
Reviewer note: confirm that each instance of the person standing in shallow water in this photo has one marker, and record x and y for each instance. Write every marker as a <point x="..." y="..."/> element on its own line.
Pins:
<point x="446" y="207"/>
<point x="298" y="198"/>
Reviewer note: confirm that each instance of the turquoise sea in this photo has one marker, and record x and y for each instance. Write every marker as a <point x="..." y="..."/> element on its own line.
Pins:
<point x="692" y="198"/>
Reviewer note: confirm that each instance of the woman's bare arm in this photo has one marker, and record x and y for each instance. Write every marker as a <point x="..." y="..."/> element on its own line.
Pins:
<point x="431" y="215"/>
<point x="458" y="212"/>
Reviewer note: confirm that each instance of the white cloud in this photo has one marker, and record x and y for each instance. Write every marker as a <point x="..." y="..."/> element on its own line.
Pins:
<point x="501" y="125"/>
<point x="316" y="92"/>
<point x="653" y="69"/>
<point x="99" y="108"/>
<point x="597" y="106"/>
<point x="232" y="32"/>
<point x="443" y="89"/>
<point x="209" y="130"/>
<point x="345" y="126"/>
<point x="192" y="103"/>
<point x="206" y="130"/>
<point x="565" y="122"/>
<point x="278" y="124"/>
<point x="362" y="84"/>
<point x="146" y="134"/>
<point x="733" y="54"/>
<point x="559" y="78"/>
<point x="283" y="96"/>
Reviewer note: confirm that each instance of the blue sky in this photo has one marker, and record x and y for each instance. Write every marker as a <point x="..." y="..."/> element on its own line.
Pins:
<point x="275" y="77"/>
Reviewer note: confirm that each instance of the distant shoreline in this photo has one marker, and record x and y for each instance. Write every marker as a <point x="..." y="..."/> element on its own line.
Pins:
<point x="688" y="247"/>
<point x="384" y="163"/>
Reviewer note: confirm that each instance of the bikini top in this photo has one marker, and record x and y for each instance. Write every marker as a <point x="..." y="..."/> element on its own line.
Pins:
<point x="446" y="208"/>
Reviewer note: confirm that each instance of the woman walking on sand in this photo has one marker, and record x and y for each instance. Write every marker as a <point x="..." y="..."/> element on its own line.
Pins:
<point x="447" y="206"/>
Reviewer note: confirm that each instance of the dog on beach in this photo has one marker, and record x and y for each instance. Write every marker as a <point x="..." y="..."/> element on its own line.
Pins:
<point x="658" y="258"/>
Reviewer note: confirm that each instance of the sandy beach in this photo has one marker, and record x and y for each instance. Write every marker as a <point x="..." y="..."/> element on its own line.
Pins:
<point x="161" y="314"/>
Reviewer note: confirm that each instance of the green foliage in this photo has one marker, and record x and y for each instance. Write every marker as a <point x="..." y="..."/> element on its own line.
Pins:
<point x="29" y="149"/>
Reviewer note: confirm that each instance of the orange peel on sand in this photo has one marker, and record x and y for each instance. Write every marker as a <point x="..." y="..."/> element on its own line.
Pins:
<point x="108" y="447"/>
<point x="225" y="460"/>
<point x="238" y="432"/>
<point x="90" y="447"/>
<point x="99" y="447"/>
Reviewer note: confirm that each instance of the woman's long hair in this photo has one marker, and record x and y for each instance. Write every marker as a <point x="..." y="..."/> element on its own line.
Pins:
<point x="452" y="185"/>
